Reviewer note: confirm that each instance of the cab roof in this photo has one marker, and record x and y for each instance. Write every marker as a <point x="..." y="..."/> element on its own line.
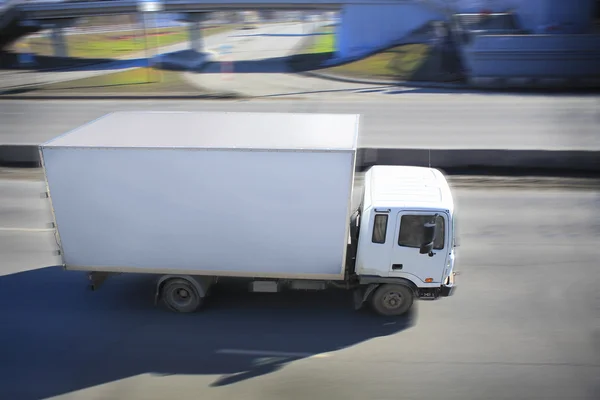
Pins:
<point x="407" y="187"/>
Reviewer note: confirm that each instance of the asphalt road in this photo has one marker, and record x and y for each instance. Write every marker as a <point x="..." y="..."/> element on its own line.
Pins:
<point x="525" y="323"/>
<point x="417" y="120"/>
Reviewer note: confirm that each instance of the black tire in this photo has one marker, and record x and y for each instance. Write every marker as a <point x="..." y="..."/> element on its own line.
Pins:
<point x="180" y="296"/>
<point x="392" y="300"/>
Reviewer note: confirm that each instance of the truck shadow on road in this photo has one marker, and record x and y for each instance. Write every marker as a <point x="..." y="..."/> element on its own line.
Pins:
<point x="59" y="337"/>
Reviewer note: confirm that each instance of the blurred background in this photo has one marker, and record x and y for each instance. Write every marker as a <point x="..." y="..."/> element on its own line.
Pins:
<point x="501" y="95"/>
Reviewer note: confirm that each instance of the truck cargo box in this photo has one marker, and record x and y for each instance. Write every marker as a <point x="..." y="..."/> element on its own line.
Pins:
<point x="205" y="193"/>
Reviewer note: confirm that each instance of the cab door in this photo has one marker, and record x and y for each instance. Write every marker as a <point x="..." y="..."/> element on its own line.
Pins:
<point x="406" y="258"/>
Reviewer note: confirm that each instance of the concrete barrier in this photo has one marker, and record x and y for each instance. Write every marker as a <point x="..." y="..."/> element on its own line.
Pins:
<point x="545" y="161"/>
<point x="19" y="155"/>
<point x="535" y="61"/>
<point x="464" y="159"/>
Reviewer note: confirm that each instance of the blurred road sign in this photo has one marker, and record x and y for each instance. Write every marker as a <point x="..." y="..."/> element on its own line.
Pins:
<point x="150" y="6"/>
<point x="225" y="49"/>
<point x="26" y="59"/>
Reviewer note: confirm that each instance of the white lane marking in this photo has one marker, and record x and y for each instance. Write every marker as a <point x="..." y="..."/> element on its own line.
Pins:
<point x="271" y="353"/>
<point x="5" y="229"/>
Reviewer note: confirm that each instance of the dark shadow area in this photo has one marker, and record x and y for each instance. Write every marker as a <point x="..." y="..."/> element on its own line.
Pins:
<point x="10" y="61"/>
<point x="12" y="27"/>
<point x="442" y="64"/>
<point x="61" y="337"/>
<point x="308" y="62"/>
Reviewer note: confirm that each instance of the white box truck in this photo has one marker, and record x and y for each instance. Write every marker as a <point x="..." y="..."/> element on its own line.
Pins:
<point x="273" y="198"/>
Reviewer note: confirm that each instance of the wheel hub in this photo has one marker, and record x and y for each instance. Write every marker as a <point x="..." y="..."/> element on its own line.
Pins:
<point x="180" y="297"/>
<point x="392" y="300"/>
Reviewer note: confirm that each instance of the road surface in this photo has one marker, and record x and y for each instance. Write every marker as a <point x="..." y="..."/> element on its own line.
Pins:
<point x="524" y="324"/>
<point x="417" y="120"/>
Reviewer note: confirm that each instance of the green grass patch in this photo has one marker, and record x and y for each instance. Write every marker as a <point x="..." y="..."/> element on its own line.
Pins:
<point x="400" y="62"/>
<point x="117" y="44"/>
<point x="139" y="80"/>
<point x="315" y="50"/>
<point x="322" y="43"/>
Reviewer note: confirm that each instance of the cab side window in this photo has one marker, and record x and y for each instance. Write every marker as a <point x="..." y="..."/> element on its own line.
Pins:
<point x="379" y="228"/>
<point x="411" y="231"/>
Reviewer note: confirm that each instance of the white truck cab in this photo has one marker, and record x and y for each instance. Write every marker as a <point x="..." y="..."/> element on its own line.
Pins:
<point x="398" y="203"/>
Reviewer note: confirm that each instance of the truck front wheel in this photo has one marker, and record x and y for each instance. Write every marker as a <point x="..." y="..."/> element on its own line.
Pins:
<point x="392" y="300"/>
<point x="181" y="296"/>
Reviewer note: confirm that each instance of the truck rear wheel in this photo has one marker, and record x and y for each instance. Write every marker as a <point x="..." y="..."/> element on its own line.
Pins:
<point x="181" y="296"/>
<point x="392" y="300"/>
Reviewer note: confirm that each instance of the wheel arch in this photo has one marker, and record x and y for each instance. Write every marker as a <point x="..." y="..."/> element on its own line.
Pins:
<point x="378" y="281"/>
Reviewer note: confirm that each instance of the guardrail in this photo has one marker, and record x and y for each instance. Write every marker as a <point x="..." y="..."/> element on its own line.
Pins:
<point x="533" y="57"/>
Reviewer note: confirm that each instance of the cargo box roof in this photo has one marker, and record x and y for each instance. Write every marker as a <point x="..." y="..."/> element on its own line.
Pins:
<point x="215" y="130"/>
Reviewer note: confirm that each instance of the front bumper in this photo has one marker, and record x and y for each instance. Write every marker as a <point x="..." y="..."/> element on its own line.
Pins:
<point x="449" y="287"/>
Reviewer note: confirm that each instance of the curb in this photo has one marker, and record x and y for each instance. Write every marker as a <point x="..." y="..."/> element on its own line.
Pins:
<point x="494" y="162"/>
<point x="425" y="85"/>
<point x="498" y="85"/>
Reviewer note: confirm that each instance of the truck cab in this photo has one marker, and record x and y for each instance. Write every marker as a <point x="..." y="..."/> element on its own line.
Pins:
<point x="398" y="204"/>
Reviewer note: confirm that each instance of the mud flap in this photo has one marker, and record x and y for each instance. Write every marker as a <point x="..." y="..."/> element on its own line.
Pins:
<point x="362" y="293"/>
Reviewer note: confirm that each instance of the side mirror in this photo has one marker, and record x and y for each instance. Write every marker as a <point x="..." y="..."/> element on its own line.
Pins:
<point x="428" y="237"/>
<point x="426" y="248"/>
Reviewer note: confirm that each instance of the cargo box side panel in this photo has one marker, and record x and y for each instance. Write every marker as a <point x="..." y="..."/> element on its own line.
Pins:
<point x="223" y="212"/>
